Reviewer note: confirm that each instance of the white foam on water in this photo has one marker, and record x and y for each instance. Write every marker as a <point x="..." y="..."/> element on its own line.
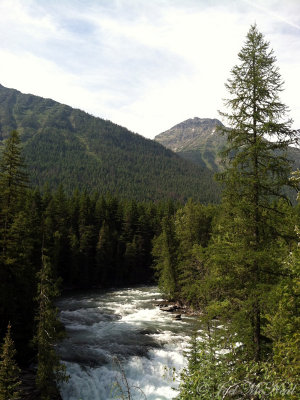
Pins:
<point x="153" y="376"/>
<point x="144" y="315"/>
<point x="125" y="324"/>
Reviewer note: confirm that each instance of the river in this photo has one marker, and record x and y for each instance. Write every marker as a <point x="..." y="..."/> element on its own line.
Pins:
<point x="121" y="329"/>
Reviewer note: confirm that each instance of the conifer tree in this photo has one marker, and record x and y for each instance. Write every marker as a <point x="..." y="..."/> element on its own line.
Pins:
<point x="9" y="371"/>
<point x="255" y="174"/>
<point x="14" y="241"/>
<point x="193" y="229"/>
<point x="49" y="331"/>
<point x="165" y="255"/>
<point x="13" y="180"/>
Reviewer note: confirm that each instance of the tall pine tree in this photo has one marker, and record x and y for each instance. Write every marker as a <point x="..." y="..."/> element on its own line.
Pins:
<point x="15" y="244"/>
<point x="13" y="180"/>
<point x="256" y="172"/>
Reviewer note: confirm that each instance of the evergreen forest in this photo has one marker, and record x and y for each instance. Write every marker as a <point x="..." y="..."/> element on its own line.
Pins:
<point x="62" y="145"/>
<point x="235" y="262"/>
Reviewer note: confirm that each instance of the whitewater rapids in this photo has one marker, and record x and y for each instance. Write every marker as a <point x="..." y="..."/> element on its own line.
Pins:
<point x="114" y="330"/>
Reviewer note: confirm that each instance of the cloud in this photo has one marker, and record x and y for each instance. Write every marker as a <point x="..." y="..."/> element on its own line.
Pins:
<point x="144" y="65"/>
<point x="287" y="12"/>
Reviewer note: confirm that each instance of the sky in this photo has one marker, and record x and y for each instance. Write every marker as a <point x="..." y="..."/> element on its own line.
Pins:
<point x="143" y="64"/>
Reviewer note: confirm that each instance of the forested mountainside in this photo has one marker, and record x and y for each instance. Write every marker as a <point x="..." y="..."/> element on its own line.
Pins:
<point x="198" y="140"/>
<point x="67" y="146"/>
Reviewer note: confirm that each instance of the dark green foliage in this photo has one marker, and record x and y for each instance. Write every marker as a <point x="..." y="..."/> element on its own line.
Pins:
<point x="180" y="253"/>
<point x="165" y="255"/>
<point x="99" y="241"/>
<point x="68" y="146"/>
<point x="248" y="240"/>
<point x="283" y="318"/>
<point x="17" y="244"/>
<point x="49" y="331"/>
<point x="12" y="183"/>
<point x="9" y="371"/>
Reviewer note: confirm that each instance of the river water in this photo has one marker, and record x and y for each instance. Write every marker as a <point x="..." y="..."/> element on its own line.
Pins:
<point x="114" y="330"/>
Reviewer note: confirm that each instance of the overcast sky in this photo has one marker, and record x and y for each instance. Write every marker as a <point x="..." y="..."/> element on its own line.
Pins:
<point x="144" y="64"/>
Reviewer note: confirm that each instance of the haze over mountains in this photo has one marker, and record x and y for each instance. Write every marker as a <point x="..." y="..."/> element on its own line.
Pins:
<point x="68" y="146"/>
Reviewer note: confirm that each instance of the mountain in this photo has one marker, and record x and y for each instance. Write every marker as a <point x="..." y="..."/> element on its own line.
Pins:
<point x="198" y="140"/>
<point x="68" y="146"/>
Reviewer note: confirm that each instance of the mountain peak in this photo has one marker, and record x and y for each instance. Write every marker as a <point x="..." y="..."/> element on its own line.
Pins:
<point x="189" y="134"/>
<point x="197" y="122"/>
<point x="198" y="140"/>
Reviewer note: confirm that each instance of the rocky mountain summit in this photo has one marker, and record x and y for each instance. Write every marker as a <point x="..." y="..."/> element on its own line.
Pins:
<point x="196" y="139"/>
<point x="189" y="134"/>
